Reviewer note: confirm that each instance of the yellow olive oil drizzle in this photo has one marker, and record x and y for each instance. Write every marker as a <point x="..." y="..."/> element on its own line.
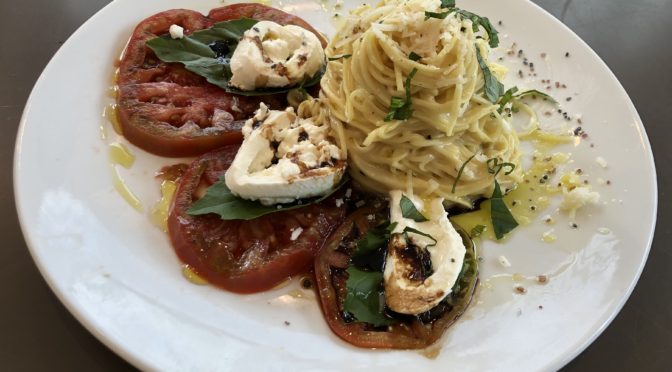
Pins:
<point x="120" y="155"/>
<point x="110" y="113"/>
<point x="525" y="202"/>
<point x="192" y="276"/>
<point x="123" y="190"/>
<point x="159" y="213"/>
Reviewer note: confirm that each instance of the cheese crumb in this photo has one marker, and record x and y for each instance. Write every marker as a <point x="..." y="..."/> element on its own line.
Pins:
<point x="577" y="198"/>
<point x="504" y="261"/>
<point x="295" y="233"/>
<point x="339" y="202"/>
<point x="348" y="193"/>
<point x="360" y="204"/>
<point x="600" y="160"/>
<point x="549" y="236"/>
<point x="176" y="32"/>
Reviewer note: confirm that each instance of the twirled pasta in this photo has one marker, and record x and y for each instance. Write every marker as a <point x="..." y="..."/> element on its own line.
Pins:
<point x="451" y="120"/>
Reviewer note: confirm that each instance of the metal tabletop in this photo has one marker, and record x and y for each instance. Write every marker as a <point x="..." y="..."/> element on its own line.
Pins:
<point x="38" y="333"/>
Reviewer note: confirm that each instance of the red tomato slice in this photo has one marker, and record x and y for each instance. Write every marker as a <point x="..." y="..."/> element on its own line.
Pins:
<point x="167" y="110"/>
<point x="245" y="256"/>
<point x="411" y="332"/>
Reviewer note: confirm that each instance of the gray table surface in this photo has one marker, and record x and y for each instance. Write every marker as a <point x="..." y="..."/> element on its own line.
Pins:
<point x="38" y="333"/>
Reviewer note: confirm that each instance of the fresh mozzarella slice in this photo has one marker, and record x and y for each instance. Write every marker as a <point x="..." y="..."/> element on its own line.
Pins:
<point x="271" y="55"/>
<point x="407" y="290"/>
<point x="284" y="158"/>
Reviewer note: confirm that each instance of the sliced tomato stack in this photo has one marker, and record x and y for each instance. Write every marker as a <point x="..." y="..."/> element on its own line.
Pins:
<point x="409" y="331"/>
<point x="169" y="111"/>
<point x="245" y="256"/>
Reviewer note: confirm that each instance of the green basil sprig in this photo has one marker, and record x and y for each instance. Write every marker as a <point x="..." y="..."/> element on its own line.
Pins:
<point x="208" y="53"/>
<point x="219" y="199"/>
<point x="493" y="88"/>
<point x="408" y="210"/>
<point x="365" y="298"/>
<point x="511" y="96"/>
<point x="500" y="215"/>
<point x="402" y="109"/>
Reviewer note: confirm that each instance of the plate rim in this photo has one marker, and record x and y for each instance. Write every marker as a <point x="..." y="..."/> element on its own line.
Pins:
<point x="132" y="357"/>
<point x="561" y="362"/>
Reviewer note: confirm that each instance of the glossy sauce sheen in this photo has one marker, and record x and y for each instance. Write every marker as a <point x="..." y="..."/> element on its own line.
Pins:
<point x="525" y="202"/>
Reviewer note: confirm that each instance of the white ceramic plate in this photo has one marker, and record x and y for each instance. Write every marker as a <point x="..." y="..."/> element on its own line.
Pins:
<point x="118" y="275"/>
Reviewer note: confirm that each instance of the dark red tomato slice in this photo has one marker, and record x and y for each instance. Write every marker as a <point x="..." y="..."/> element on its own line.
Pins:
<point x="167" y="110"/>
<point x="410" y="332"/>
<point x="245" y="256"/>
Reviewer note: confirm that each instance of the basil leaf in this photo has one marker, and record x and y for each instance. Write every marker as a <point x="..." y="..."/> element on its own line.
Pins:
<point x="459" y="173"/>
<point x="365" y="299"/>
<point x="477" y="231"/>
<point x="416" y="231"/>
<point x="372" y="248"/>
<point x="219" y="199"/>
<point x="443" y="15"/>
<point x="506" y="98"/>
<point x="414" y="56"/>
<point x="478" y="21"/>
<point x="371" y="241"/>
<point x="534" y="93"/>
<point x="494" y="166"/>
<point x="493" y="88"/>
<point x="344" y="56"/>
<point x="408" y="210"/>
<point x="447" y="3"/>
<point x="401" y="109"/>
<point x="468" y="272"/>
<point x="502" y="219"/>
<point x="208" y="52"/>
<point x="397" y="102"/>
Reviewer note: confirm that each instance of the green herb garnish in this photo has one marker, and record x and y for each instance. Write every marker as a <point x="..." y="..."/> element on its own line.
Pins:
<point x="436" y="15"/>
<point x="493" y="88"/>
<point x="495" y="165"/>
<point x="414" y="56"/>
<point x="344" y="56"/>
<point x="219" y="199"/>
<point x="365" y="298"/>
<point x="502" y="219"/>
<point x="416" y="231"/>
<point x="459" y="173"/>
<point x="469" y="269"/>
<point x="208" y="52"/>
<point x="477" y="231"/>
<point x="506" y="98"/>
<point x="533" y="93"/>
<point x="447" y="3"/>
<point x="478" y="21"/>
<point x="375" y="238"/>
<point x="408" y="210"/>
<point x="401" y="109"/>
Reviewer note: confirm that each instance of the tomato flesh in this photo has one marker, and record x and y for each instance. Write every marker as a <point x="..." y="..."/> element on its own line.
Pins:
<point x="169" y="111"/>
<point x="245" y="256"/>
<point x="409" y="332"/>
